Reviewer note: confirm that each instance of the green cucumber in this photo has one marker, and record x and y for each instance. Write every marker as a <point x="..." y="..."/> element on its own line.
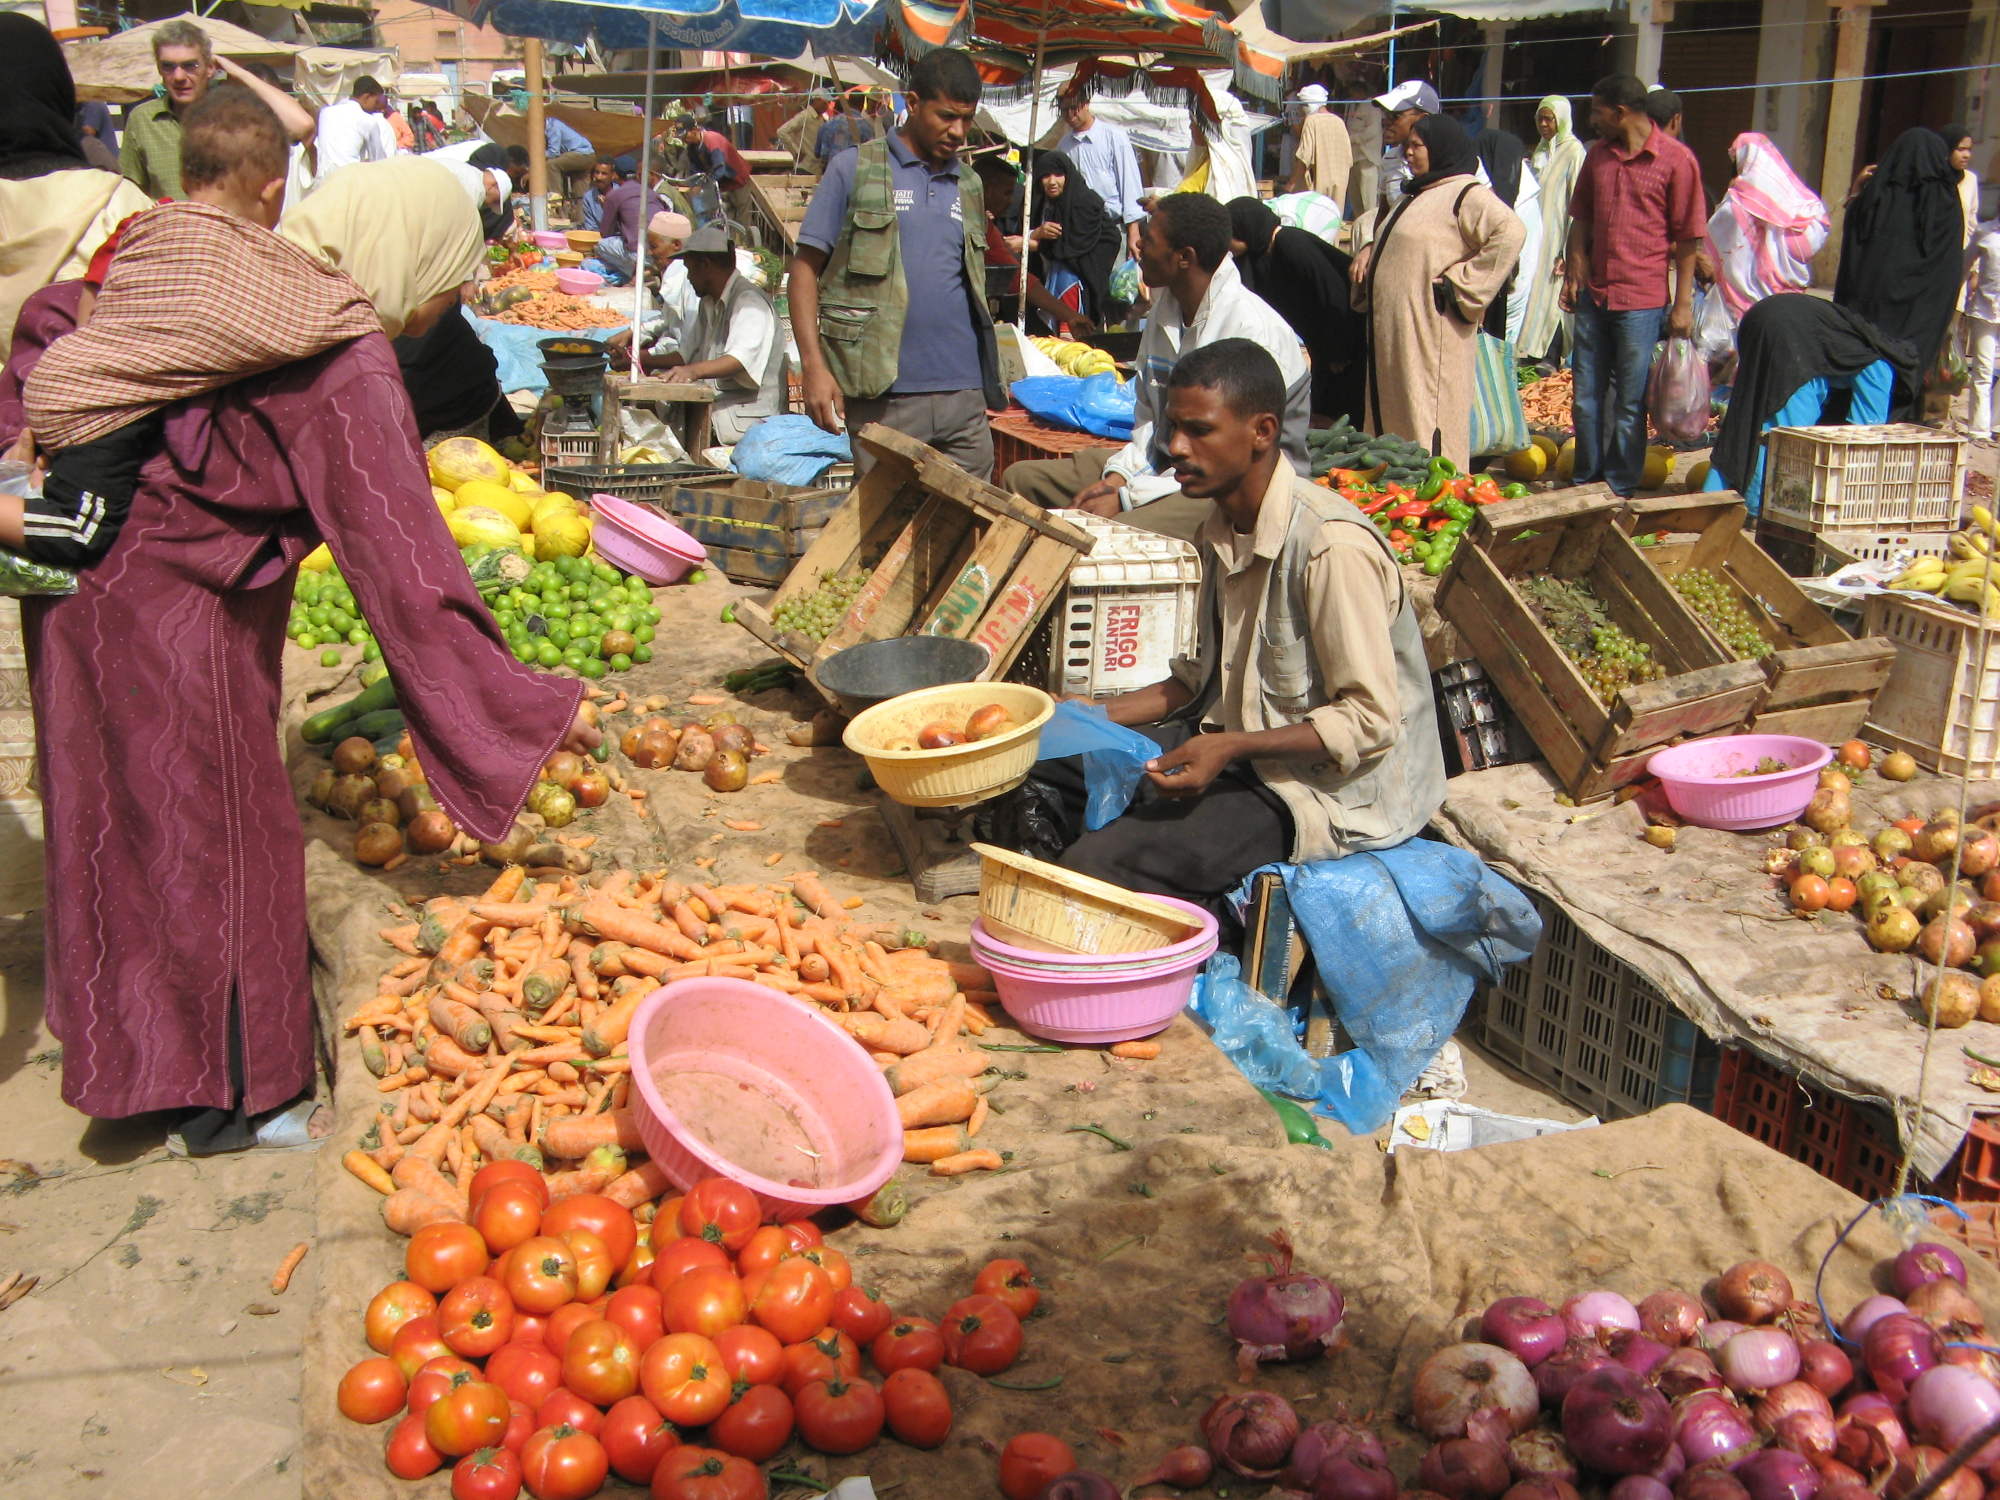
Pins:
<point x="376" y="723"/>
<point x="331" y="724"/>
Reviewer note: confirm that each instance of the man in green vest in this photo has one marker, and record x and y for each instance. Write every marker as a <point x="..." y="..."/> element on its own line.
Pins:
<point x="888" y="289"/>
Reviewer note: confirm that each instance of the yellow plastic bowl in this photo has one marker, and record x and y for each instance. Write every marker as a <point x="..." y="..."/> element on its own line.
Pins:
<point x="957" y="775"/>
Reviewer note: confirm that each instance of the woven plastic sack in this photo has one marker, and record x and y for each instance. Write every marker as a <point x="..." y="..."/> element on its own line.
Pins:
<point x="1315" y="213"/>
<point x="1499" y="422"/>
<point x="1677" y="392"/>
<point x="22" y="577"/>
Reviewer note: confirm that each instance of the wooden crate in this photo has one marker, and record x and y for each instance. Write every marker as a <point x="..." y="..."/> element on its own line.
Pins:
<point x="948" y="555"/>
<point x="1821" y="679"/>
<point x="754" y="531"/>
<point x="1592" y="747"/>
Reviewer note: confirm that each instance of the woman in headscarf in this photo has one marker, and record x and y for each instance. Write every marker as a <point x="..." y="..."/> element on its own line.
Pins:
<point x="1769" y="227"/>
<point x="1306" y="280"/>
<point x="1556" y="160"/>
<point x="451" y="375"/>
<point x="1902" y="252"/>
<point x="1439" y="260"/>
<point x="1075" y="240"/>
<point x="1958" y="141"/>
<point x="177" y="974"/>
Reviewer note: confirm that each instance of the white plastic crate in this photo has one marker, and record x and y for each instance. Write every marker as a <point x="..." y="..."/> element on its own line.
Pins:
<point x="573" y="447"/>
<point x="1899" y="477"/>
<point x="1127" y="612"/>
<point x="1942" y="701"/>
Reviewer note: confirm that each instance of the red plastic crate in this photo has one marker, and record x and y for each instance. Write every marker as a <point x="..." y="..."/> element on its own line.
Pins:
<point x="1979" y="1162"/>
<point x="1852" y="1143"/>
<point x="1979" y="1234"/>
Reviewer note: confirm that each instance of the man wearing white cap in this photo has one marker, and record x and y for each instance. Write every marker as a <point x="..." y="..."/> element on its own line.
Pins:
<point x="1324" y="155"/>
<point x="1402" y="106"/>
<point x="734" y="344"/>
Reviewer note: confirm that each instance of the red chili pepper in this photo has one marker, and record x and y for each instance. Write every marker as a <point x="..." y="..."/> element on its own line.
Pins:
<point x="1409" y="508"/>
<point x="1370" y="507"/>
<point x="1397" y="492"/>
<point x="1485" y="492"/>
<point x="1461" y="486"/>
<point x="1437" y="523"/>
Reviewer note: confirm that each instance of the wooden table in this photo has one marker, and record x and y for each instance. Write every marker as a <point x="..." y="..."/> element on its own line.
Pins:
<point x="692" y="396"/>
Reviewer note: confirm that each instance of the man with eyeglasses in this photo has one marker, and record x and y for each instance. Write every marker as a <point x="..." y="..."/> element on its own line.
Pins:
<point x="149" y="151"/>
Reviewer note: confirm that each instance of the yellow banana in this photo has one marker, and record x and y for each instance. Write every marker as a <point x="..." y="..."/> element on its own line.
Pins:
<point x="1961" y="546"/>
<point x="1985" y="520"/>
<point x="1968" y="589"/>
<point x="1980" y="541"/>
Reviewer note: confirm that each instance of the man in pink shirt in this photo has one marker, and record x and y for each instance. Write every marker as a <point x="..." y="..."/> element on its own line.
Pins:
<point x="1637" y="206"/>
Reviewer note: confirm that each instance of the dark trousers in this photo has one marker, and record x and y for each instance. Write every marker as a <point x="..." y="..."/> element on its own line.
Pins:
<point x="1196" y="848"/>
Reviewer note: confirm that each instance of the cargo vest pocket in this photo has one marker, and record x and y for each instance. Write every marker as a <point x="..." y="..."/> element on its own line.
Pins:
<point x="844" y="324"/>
<point x="871" y="245"/>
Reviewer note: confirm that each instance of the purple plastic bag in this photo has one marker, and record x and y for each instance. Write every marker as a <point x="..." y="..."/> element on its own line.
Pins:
<point x="1677" y="392"/>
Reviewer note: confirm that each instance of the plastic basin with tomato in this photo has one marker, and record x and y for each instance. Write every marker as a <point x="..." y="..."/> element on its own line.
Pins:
<point x="737" y="1080"/>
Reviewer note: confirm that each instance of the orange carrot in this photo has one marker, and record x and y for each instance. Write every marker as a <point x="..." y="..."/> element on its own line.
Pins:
<point x="407" y="1210"/>
<point x="813" y="967"/>
<point x="606" y="1032"/>
<point x="642" y="1184"/>
<point x="573" y="1138"/>
<point x="502" y="1017"/>
<point x="743" y="825"/>
<point x="580" y="972"/>
<point x="444" y="1055"/>
<point x="506" y="885"/>
<point x="491" y="1137"/>
<point x="607" y="960"/>
<point x="513" y="914"/>
<point x="544" y="983"/>
<point x="978" y="1120"/>
<point x="934" y="1065"/>
<point x="402" y="939"/>
<point x="473" y="1099"/>
<point x="461" y="1023"/>
<point x="807" y="888"/>
<point x="692" y="927"/>
<point x="935" y="1142"/>
<point x="364" y="1166"/>
<point x="985" y="1159"/>
<point x="885" y="1034"/>
<point x="418" y="1171"/>
<point x="598" y="1171"/>
<point x="1137" y="1051"/>
<point x="602" y="919"/>
<point x="945" y="1101"/>
<point x="554" y="1052"/>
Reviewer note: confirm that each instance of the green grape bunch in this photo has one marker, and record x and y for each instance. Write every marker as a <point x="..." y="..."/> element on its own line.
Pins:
<point x="817" y="614"/>
<point x="1717" y="606"/>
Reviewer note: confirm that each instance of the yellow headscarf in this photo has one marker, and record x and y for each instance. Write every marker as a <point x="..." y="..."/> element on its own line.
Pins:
<point x="402" y="228"/>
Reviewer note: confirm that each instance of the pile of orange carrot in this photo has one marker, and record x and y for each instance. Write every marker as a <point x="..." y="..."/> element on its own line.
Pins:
<point x="501" y="1031"/>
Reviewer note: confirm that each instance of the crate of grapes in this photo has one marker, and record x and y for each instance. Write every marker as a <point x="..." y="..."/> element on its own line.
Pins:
<point x="1601" y="661"/>
<point x="919" y="547"/>
<point x="1821" y="679"/>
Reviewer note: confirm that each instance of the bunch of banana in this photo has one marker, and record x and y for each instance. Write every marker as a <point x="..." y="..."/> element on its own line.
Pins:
<point x="1073" y="358"/>
<point x="1964" y="575"/>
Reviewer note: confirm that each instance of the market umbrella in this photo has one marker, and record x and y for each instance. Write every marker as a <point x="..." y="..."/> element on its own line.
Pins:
<point x="1173" y="30"/>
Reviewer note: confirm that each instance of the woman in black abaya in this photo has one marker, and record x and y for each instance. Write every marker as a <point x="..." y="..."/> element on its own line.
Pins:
<point x="1306" y="280"/>
<point x="1901" y="253"/>
<point x="1076" y="241"/>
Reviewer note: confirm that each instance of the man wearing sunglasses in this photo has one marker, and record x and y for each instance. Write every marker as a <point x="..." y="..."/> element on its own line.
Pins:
<point x="149" y="151"/>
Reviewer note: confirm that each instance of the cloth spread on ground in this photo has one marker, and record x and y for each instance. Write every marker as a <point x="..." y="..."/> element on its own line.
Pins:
<point x="789" y="449"/>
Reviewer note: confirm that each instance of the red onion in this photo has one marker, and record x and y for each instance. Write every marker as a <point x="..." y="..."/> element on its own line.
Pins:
<point x="1921" y="1464"/>
<point x="1776" y="1474"/>
<point x="1758" y="1359"/>
<point x="1526" y="1327"/>
<point x="1465" y="1469"/>
<point x="1640" y="1487"/>
<point x="1540" y="1488"/>
<point x="1832" y="1472"/>
<point x="1185" y="1468"/>
<point x="1541" y="1453"/>
<point x="1286" y="1315"/>
<point x="1783" y="1400"/>
<point x="1897" y="1349"/>
<point x="1251" y="1434"/>
<point x="1636" y="1352"/>
<point x="1461" y="1379"/>
<point x="1598" y="1315"/>
<point x="1923" y="1263"/>
<point x="1809" y="1434"/>
<point x="1976" y="1360"/>
<point x="1949" y="1308"/>
<point x="1670" y="1467"/>
<point x="1354" y="1476"/>
<point x="1865" y="1314"/>
<point x="1556" y="1375"/>
<point x="1329" y="1439"/>
<point x="1709" y="1482"/>
<point x="1826" y="1365"/>
<point x="1615" y="1423"/>
<point x="1949" y="1404"/>
<point x="1753" y="1291"/>
<point x="1712" y="1335"/>
<point x="1869" y="1436"/>
<point x="1671" y="1317"/>
<point x="1710" y="1428"/>
<point x="1079" y="1484"/>
<point x="1686" y="1371"/>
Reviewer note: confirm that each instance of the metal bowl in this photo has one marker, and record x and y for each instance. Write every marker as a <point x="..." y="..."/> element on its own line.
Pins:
<point x="876" y="671"/>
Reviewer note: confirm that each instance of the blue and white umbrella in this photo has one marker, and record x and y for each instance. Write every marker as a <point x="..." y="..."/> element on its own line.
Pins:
<point x="773" y="28"/>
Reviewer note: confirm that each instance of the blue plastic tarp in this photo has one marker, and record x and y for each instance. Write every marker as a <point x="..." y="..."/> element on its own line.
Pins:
<point x="1096" y="403"/>
<point x="789" y="449"/>
<point x="514" y="347"/>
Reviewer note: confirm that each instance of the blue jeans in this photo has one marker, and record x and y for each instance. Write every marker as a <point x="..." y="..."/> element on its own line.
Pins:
<point x="1613" y="356"/>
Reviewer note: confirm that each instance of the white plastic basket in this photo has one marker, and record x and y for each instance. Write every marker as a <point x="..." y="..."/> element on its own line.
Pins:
<point x="1896" y="477"/>
<point x="1128" y="610"/>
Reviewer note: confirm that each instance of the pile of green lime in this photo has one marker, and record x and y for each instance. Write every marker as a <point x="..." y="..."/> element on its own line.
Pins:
<point x="578" y="613"/>
<point x="324" y="614"/>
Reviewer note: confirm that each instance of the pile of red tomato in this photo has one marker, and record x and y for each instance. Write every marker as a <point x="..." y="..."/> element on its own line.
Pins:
<point x="555" y="1344"/>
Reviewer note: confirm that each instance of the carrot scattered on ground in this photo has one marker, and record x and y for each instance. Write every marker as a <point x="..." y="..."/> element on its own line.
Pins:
<point x="282" y="1277"/>
<point x="985" y="1159"/>
<point x="1138" y="1051"/>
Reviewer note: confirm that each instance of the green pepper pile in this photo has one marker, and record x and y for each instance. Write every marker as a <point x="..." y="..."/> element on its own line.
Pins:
<point x="1423" y="522"/>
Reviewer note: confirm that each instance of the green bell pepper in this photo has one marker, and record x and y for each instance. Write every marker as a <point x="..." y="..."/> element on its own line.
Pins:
<point x="1456" y="509"/>
<point x="1513" y="492"/>
<point x="1442" y="471"/>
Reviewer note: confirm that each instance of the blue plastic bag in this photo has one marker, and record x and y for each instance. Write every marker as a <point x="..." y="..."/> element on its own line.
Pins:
<point x="1100" y="404"/>
<point x="1114" y="757"/>
<point x="1252" y="1031"/>
<point x="788" y="449"/>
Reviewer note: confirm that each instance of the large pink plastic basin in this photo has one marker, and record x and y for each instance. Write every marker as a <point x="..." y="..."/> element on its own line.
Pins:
<point x="737" y="1080"/>
<point x="635" y="539"/>
<point x="578" y="283"/>
<point x="1093" y="1002"/>
<point x="1039" y="959"/>
<point x="1702" y="784"/>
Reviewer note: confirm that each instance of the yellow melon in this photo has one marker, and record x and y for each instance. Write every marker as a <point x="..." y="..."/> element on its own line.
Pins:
<point x="558" y="535"/>
<point x="1659" y="464"/>
<point x="1529" y="463"/>
<point x="1697" y="477"/>
<point x="1547" y="444"/>
<point x="444" y="499"/>
<point x="456" y="460"/>
<point x="512" y="505"/>
<point x="481" y="526"/>
<point x="319" y="560"/>
<point x="523" y="483"/>
<point x="1566" y="461"/>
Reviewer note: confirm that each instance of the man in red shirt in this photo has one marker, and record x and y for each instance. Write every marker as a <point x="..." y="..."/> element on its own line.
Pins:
<point x="1637" y="206"/>
<point x="714" y="156"/>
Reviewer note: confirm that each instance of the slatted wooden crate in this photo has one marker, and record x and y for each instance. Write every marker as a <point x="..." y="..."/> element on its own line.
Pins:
<point x="1821" y="679"/>
<point x="755" y="531"/>
<point x="1592" y="747"/>
<point x="947" y="554"/>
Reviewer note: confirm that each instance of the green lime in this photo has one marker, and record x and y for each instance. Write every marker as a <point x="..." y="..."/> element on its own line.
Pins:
<point x="523" y="652"/>
<point x="558" y="633"/>
<point x="329" y="658"/>
<point x="505" y="618"/>
<point x="650" y="614"/>
<point x="307" y="638"/>
<point x="642" y="654"/>
<point x="371" y="651"/>
<point x="589" y="645"/>
<point x="605" y="571"/>
<point x="644" y="634"/>
<point x="699" y="575"/>
<point x="557" y="609"/>
<point x="592" y="668"/>
<point x="549" y="654"/>
<point x="728" y="618"/>
<point x="318" y="614"/>
<point x="574" y="659"/>
<point x="620" y="619"/>
<point x="620" y="663"/>
<point x="358" y="635"/>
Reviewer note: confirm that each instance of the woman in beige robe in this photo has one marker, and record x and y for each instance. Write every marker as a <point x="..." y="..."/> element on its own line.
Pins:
<point x="1440" y="258"/>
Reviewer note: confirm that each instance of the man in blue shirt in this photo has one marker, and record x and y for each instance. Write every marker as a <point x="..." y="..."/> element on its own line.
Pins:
<point x="846" y="126"/>
<point x="1103" y="154"/>
<point x="602" y="178"/>
<point x="888" y="294"/>
<point x="569" y="151"/>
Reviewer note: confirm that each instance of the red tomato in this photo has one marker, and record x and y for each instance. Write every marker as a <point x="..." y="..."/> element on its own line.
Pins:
<point x="763" y="1250"/>
<point x="684" y="1377"/>
<point x="756" y="1423"/>
<point x="981" y="1334"/>
<point x="542" y="1275"/>
<point x="842" y="1415"/>
<point x="803" y="1233"/>
<point x="909" y="1343"/>
<point x="416" y="1344"/>
<point x="529" y="1328"/>
<point x="610" y="1222"/>
<point x="563" y="1322"/>
<point x="707" y="1474"/>
<point x="564" y="1408"/>
<point x="722" y="1212"/>
<point x="860" y="1313"/>
<point x="752" y="1354"/>
<point x="561" y="1463"/>
<point x="526" y="1372"/>
<point x="826" y="1354"/>
<point x="440" y="1256"/>
<point x="706" y="1300"/>
<point x="391" y="1308"/>
<point x="594" y="1265"/>
<point x="601" y="1363"/>
<point x="792" y="1299"/>
<point x="520" y="1424"/>
<point x="667" y="1221"/>
<point x="677" y="1257"/>
<point x="467" y="1417"/>
<point x="639" y="1267"/>
<point x="636" y="1437"/>
<point x="918" y="1407"/>
<point x="507" y="1169"/>
<point x="372" y="1391"/>
<point x="636" y="1309"/>
<point x="489" y="1474"/>
<point x="1012" y="1282"/>
<point x="839" y="1275"/>
<point x="410" y="1454"/>
<point x="477" y="1317"/>
<point x="446" y="1372"/>
<point x="508" y="1214"/>
<point x="1029" y="1461"/>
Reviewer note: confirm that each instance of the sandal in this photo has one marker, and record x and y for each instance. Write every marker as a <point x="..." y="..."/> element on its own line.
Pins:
<point x="286" y="1128"/>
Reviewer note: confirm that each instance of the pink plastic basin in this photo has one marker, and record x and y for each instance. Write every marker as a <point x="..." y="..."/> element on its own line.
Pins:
<point x="577" y="283"/>
<point x="1702" y="784"/>
<point x="548" y="239"/>
<point x="736" y="1080"/>
<point x="635" y="539"/>
<point x="1092" y="1002"/>
<point x="1037" y="959"/>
